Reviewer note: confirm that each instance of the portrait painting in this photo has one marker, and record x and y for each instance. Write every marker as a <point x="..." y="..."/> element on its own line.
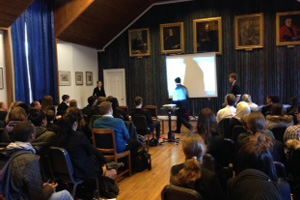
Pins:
<point x="64" y="78"/>
<point x="208" y="35"/>
<point x="172" y="38"/>
<point x="249" y="30"/>
<point x="139" y="42"/>
<point x="1" y="79"/>
<point x="288" y="28"/>
<point x="79" y="78"/>
<point x="89" y="78"/>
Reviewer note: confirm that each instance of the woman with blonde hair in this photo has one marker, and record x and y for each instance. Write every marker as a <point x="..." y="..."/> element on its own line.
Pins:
<point x="192" y="174"/>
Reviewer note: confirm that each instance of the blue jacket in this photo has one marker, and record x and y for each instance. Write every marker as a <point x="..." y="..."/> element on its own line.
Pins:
<point x="118" y="125"/>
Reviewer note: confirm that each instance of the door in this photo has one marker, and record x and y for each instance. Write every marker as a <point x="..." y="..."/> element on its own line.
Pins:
<point x="114" y="84"/>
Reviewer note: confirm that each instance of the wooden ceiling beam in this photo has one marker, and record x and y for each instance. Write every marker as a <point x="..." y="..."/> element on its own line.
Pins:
<point x="67" y="11"/>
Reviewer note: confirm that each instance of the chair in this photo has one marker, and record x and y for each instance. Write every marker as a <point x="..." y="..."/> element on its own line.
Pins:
<point x="62" y="168"/>
<point x="172" y="192"/>
<point x="224" y="128"/>
<point x="278" y="133"/>
<point x="125" y="108"/>
<point x="141" y="125"/>
<point x="280" y="169"/>
<point x="153" y="111"/>
<point x="104" y="140"/>
<point x="209" y="162"/>
<point x="228" y="152"/>
<point x="236" y="131"/>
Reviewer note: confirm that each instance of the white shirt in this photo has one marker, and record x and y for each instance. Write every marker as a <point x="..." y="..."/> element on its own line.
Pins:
<point x="227" y="112"/>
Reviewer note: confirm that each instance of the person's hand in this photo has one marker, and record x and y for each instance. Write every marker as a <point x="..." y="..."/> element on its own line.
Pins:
<point x="53" y="185"/>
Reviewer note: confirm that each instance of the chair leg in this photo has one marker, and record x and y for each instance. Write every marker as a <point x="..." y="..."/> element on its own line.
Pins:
<point x="74" y="190"/>
<point x="129" y="163"/>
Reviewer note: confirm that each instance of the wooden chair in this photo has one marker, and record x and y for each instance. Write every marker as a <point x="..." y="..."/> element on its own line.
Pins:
<point x="140" y="123"/>
<point x="172" y="192"/>
<point x="153" y="111"/>
<point x="125" y="108"/>
<point x="104" y="140"/>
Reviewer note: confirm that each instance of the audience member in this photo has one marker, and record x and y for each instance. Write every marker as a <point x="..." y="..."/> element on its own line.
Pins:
<point x="242" y="109"/>
<point x="293" y="132"/>
<point x="229" y="111"/>
<point x="15" y="116"/>
<point x="100" y="100"/>
<point x="139" y="111"/>
<point x="36" y="105"/>
<point x="118" y="112"/>
<point x="253" y="106"/>
<point x="47" y="104"/>
<point x="44" y="138"/>
<point x="277" y="118"/>
<point x="3" y="111"/>
<point x="271" y="99"/>
<point x="63" y="106"/>
<point x="91" y="109"/>
<point x="255" y="123"/>
<point x="256" y="154"/>
<point x="192" y="174"/>
<point x="123" y="141"/>
<point x="294" y="106"/>
<point x="235" y="88"/>
<point x="50" y="116"/>
<point x="26" y="180"/>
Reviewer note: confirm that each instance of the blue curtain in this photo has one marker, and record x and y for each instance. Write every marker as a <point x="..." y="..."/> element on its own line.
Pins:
<point x="39" y="19"/>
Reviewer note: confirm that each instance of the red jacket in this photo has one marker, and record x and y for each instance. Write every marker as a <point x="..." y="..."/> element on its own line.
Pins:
<point x="286" y="34"/>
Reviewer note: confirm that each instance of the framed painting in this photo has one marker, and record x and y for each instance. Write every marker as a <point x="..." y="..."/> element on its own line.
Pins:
<point x="288" y="28"/>
<point x="1" y="79"/>
<point x="249" y="31"/>
<point x="172" y="38"/>
<point x="139" y="42"/>
<point x="208" y="35"/>
<point x="79" y="78"/>
<point x="64" y="78"/>
<point x="89" y="78"/>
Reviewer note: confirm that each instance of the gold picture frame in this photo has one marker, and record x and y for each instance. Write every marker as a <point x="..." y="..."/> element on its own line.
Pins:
<point x="249" y="31"/>
<point x="172" y="38"/>
<point x="285" y="22"/>
<point x="207" y="35"/>
<point x="139" y="42"/>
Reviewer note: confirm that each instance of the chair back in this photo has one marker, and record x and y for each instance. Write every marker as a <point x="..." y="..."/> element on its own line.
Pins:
<point x="125" y="108"/>
<point x="293" y="164"/>
<point x="93" y="119"/>
<point x="209" y="162"/>
<point x="172" y="192"/>
<point x="278" y="133"/>
<point x="280" y="169"/>
<point x="104" y="140"/>
<point x="228" y="152"/>
<point x="140" y="123"/>
<point x="61" y="165"/>
<point x="236" y="131"/>
<point x="224" y="128"/>
<point x="152" y="110"/>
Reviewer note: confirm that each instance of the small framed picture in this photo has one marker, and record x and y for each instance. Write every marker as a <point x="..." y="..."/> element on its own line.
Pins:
<point x="249" y="30"/>
<point x="139" y="42"/>
<point x="79" y="78"/>
<point x="89" y="78"/>
<point x="288" y="28"/>
<point x="1" y="79"/>
<point x="208" y="35"/>
<point x="172" y="38"/>
<point x="64" y="78"/>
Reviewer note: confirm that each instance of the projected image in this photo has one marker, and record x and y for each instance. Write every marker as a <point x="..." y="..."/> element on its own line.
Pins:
<point x="197" y="73"/>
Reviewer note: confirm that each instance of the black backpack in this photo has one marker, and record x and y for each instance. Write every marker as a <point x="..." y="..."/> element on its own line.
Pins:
<point x="5" y="172"/>
<point x="143" y="161"/>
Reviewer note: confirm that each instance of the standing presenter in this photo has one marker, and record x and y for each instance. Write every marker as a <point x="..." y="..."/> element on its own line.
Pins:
<point x="99" y="91"/>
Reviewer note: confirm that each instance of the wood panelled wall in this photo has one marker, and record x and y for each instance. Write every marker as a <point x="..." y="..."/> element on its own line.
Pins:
<point x="271" y="70"/>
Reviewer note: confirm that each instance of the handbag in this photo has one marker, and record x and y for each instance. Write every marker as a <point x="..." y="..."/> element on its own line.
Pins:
<point x="108" y="188"/>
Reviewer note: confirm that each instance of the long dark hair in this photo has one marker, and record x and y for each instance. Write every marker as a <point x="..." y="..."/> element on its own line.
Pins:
<point x="207" y="124"/>
<point x="66" y="128"/>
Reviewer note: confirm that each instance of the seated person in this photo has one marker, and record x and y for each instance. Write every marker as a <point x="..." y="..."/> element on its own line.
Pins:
<point x="63" y="106"/>
<point x="123" y="141"/>
<point x="253" y="106"/>
<point x="15" y="116"/>
<point x="293" y="107"/>
<point x="242" y="109"/>
<point x="277" y="118"/>
<point x="271" y="99"/>
<point x="229" y="111"/>
<point x="293" y="132"/>
<point x="73" y="103"/>
<point x="44" y="138"/>
<point x="26" y="180"/>
<point x="91" y="108"/>
<point x="47" y="103"/>
<point x="255" y="168"/>
<point x="192" y="174"/>
<point x="139" y="111"/>
<point x="118" y="112"/>
<point x="3" y="111"/>
<point x="36" y="105"/>
<point x="50" y="115"/>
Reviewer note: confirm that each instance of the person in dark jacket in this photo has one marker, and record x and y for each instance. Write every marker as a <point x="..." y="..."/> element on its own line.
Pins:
<point x="63" y="106"/>
<point x="91" y="109"/>
<point x="99" y="91"/>
<point x="192" y="174"/>
<point x="26" y="180"/>
<point x="118" y="112"/>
